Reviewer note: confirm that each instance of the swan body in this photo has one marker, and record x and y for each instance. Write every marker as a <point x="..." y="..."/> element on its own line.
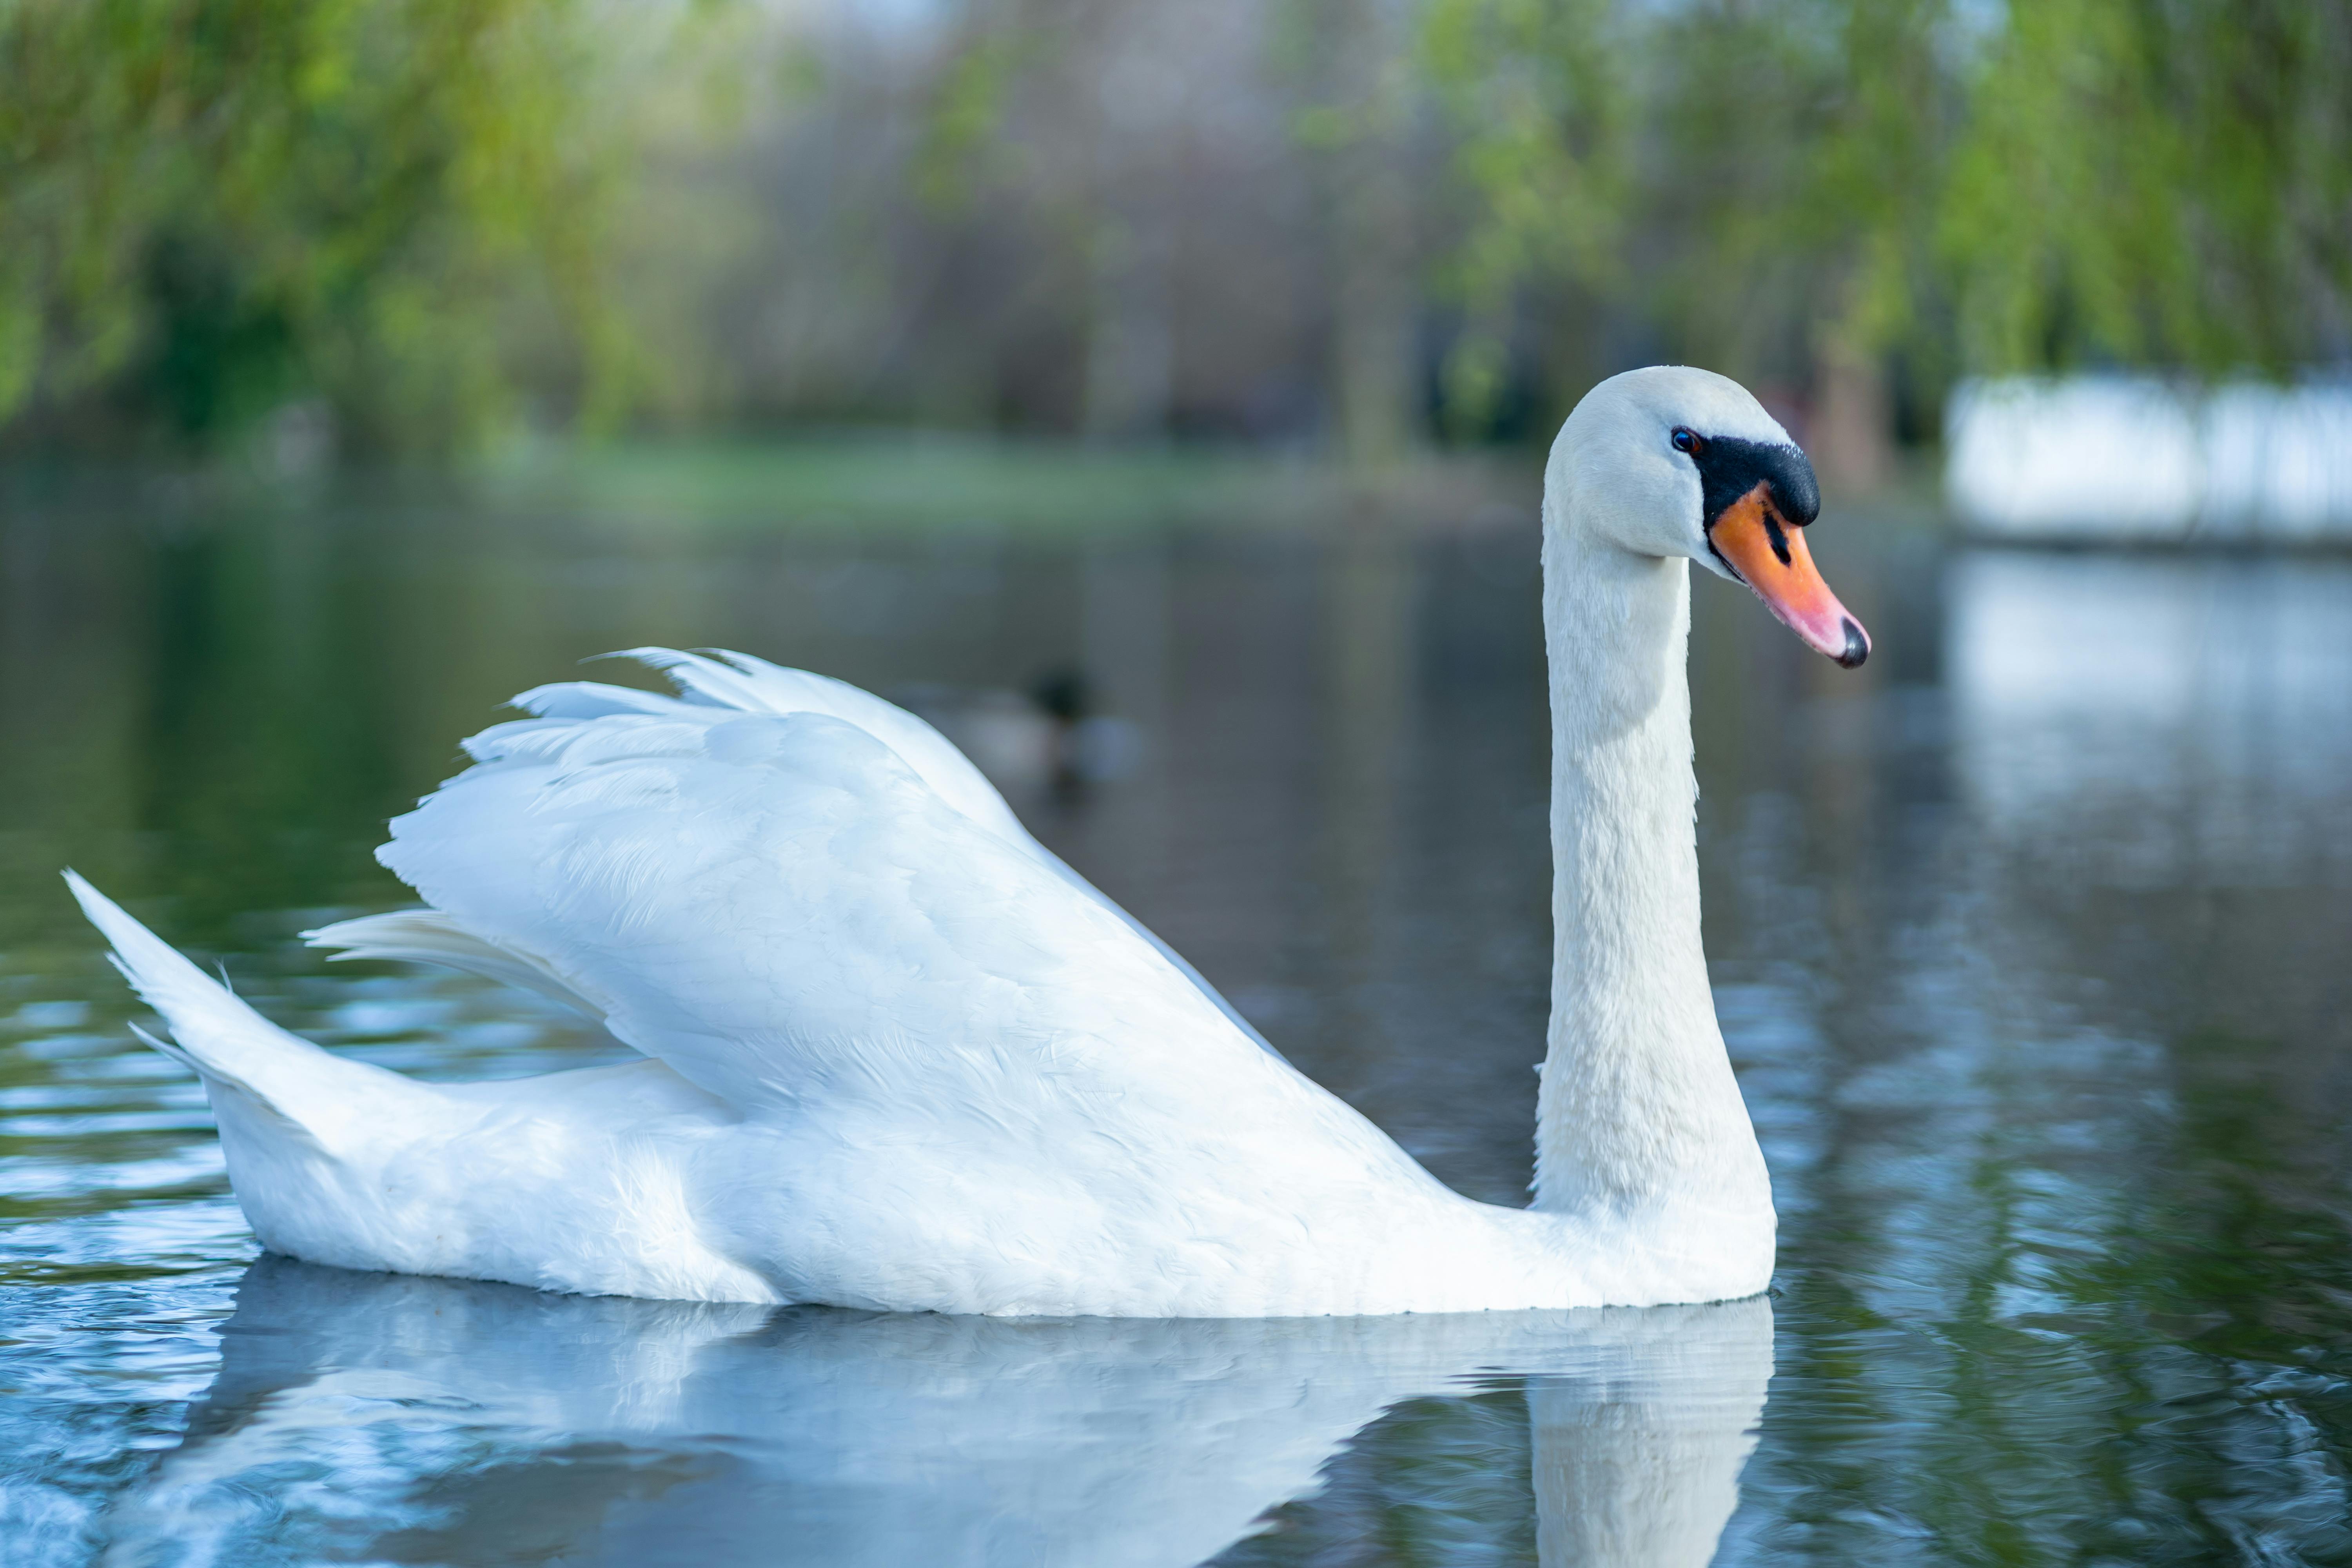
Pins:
<point x="898" y="1056"/>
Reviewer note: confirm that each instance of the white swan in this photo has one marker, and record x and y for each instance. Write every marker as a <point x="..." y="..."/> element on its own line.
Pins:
<point x="900" y="1057"/>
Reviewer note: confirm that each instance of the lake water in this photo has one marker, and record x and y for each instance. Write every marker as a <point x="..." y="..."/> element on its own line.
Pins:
<point x="2032" y="941"/>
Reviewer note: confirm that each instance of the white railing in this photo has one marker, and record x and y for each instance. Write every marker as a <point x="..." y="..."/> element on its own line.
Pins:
<point x="2129" y="459"/>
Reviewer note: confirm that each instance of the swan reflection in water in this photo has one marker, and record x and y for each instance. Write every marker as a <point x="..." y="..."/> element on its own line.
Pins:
<point x="390" y="1418"/>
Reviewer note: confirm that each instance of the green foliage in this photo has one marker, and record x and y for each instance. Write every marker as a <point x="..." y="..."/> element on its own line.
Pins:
<point x="1536" y="90"/>
<point x="964" y="117"/>
<point x="1759" y="180"/>
<point x="1791" y="148"/>
<point x="2155" y="181"/>
<point x="209" y="207"/>
<point x="429" y="215"/>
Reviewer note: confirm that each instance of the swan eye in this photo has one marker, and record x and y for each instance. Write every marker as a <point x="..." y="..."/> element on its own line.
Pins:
<point x="1687" y="440"/>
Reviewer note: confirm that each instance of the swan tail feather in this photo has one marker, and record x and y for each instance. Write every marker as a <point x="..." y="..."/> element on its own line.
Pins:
<point x="215" y="1034"/>
<point x="429" y="936"/>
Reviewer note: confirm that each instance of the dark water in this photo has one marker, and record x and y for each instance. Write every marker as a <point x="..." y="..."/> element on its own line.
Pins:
<point x="2033" y="942"/>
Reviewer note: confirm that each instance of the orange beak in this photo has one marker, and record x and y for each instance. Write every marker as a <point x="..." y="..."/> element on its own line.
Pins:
<point x="1770" y="557"/>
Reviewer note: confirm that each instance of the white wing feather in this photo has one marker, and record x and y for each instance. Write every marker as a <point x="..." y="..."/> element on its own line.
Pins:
<point x="779" y="907"/>
<point x="710" y="688"/>
<point x="429" y="936"/>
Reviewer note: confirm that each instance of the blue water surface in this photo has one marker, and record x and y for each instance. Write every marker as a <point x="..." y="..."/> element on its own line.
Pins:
<point x="2032" y="942"/>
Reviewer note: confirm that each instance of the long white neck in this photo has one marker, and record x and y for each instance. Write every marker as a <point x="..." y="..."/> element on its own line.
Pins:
<point x="1639" y="1119"/>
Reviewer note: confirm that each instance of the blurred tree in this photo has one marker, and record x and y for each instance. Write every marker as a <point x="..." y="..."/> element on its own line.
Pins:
<point x="2157" y="181"/>
<point x="1541" y="104"/>
<point x="1353" y="59"/>
<point x="1111" y="232"/>
<point x="212" y="208"/>
<point x="1808" y="192"/>
<point x="1791" y="192"/>
<point x="1285" y="218"/>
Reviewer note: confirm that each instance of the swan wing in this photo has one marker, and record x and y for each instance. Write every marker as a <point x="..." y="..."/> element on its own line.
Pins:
<point x="740" y="683"/>
<point x="785" y="910"/>
<point x="721" y="682"/>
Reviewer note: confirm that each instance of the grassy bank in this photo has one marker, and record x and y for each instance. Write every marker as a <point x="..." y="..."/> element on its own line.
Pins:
<point x="878" y="482"/>
<point x="946" y="482"/>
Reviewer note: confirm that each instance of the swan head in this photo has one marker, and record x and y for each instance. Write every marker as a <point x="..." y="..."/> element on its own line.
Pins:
<point x="1673" y="461"/>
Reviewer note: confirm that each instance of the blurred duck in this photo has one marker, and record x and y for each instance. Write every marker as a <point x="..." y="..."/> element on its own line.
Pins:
<point x="899" y="1057"/>
<point x="1047" y="739"/>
